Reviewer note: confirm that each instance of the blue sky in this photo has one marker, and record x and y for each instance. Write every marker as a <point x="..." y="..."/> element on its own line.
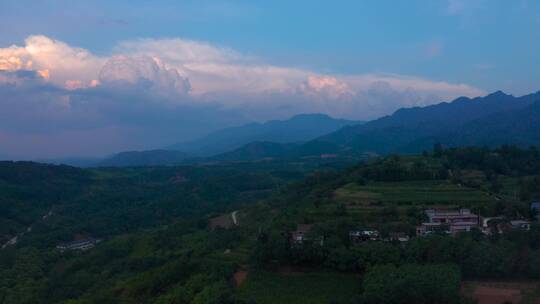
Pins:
<point x="96" y="77"/>
<point x="490" y="44"/>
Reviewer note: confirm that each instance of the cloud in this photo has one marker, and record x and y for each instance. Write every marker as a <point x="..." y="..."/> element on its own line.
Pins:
<point x="56" y="60"/>
<point x="158" y="91"/>
<point x="122" y="70"/>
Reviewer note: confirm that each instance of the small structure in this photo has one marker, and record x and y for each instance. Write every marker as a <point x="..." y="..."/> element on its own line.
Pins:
<point x="448" y="221"/>
<point x="302" y="234"/>
<point x="520" y="225"/>
<point x="397" y="237"/>
<point x="82" y="245"/>
<point x="359" y="236"/>
<point x="451" y="216"/>
<point x="490" y="225"/>
<point x="535" y="207"/>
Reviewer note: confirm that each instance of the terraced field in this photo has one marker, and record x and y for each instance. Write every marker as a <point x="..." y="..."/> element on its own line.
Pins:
<point x="437" y="192"/>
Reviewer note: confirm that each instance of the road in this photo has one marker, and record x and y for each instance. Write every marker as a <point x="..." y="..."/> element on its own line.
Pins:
<point x="16" y="238"/>
<point x="234" y="219"/>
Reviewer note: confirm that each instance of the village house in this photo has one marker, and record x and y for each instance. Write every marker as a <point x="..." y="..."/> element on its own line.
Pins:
<point x="84" y="244"/>
<point x="448" y="221"/>
<point x="491" y="224"/>
<point x="520" y="225"/>
<point x="302" y="234"/>
<point x="359" y="236"/>
<point x="397" y="237"/>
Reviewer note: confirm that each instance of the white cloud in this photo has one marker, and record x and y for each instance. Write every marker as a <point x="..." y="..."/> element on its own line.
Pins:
<point x="210" y="73"/>
<point x="133" y="70"/>
<point x="161" y="91"/>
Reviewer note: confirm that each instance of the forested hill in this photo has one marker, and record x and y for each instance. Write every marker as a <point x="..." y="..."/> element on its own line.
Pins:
<point x="191" y="234"/>
<point x="494" y="119"/>
<point x="144" y="158"/>
<point x="102" y="202"/>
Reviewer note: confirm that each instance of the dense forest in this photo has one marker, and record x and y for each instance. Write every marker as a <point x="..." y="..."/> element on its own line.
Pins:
<point x="159" y="245"/>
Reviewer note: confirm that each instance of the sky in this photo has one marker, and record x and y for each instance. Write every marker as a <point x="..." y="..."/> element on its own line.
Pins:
<point x="90" y="78"/>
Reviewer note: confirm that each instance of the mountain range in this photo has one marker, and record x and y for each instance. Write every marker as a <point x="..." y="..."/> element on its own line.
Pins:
<point x="493" y="120"/>
<point x="299" y="128"/>
<point x="215" y="146"/>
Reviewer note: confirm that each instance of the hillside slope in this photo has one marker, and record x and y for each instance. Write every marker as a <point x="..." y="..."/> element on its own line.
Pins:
<point x="493" y="120"/>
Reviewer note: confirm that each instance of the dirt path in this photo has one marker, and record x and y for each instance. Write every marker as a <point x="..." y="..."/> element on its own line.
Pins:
<point x="234" y="219"/>
<point x="28" y="229"/>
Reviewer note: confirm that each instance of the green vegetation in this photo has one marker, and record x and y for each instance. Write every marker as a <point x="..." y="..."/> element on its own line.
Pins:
<point x="309" y="288"/>
<point x="158" y="248"/>
<point x="412" y="284"/>
<point x="431" y="192"/>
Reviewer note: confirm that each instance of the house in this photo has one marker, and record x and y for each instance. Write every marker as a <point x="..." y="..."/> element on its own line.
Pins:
<point x="520" y="225"/>
<point x="302" y="234"/>
<point x="397" y="237"/>
<point x="491" y="224"/>
<point x="431" y="228"/>
<point x="451" y="216"/>
<point x="535" y="207"/>
<point x="359" y="236"/>
<point x="82" y="245"/>
<point x="448" y="221"/>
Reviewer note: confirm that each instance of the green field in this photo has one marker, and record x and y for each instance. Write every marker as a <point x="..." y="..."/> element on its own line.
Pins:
<point x="309" y="288"/>
<point x="437" y="192"/>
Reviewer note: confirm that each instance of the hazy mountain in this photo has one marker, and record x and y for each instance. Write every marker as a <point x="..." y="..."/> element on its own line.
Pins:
<point x="258" y="150"/>
<point x="296" y="129"/>
<point x="144" y="158"/>
<point x="494" y="119"/>
<point x="81" y="162"/>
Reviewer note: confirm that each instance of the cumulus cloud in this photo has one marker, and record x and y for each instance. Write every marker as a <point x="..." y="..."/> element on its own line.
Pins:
<point x="56" y="61"/>
<point x="164" y="90"/>
<point x="121" y="70"/>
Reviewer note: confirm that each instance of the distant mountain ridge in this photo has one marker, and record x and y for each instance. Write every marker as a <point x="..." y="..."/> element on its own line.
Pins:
<point x="144" y="158"/>
<point x="299" y="128"/>
<point x="463" y="121"/>
<point x="274" y="138"/>
<point x="492" y="120"/>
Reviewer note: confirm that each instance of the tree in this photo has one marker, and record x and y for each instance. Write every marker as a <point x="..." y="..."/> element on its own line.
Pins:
<point x="438" y="150"/>
<point x="216" y="293"/>
<point x="421" y="284"/>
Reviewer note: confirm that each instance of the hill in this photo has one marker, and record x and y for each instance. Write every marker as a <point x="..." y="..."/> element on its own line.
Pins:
<point x="144" y="158"/>
<point x="158" y="247"/>
<point x="494" y="119"/>
<point x="299" y="128"/>
<point x="257" y="150"/>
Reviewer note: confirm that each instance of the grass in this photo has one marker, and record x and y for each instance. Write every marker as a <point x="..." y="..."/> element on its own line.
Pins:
<point x="308" y="288"/>
<point x="438" y="192"/>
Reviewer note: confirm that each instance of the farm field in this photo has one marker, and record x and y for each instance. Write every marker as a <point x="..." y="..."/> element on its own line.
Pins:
<point x="299" y="288"/>
<point x="433" y="192"/>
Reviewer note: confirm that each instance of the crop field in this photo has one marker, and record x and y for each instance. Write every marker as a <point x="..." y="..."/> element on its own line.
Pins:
<point x="438" y="192"/>
<point x="299" y="288"/>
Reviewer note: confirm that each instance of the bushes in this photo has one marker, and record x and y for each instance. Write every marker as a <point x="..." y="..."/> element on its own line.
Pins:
<point x="412" y="283"/>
